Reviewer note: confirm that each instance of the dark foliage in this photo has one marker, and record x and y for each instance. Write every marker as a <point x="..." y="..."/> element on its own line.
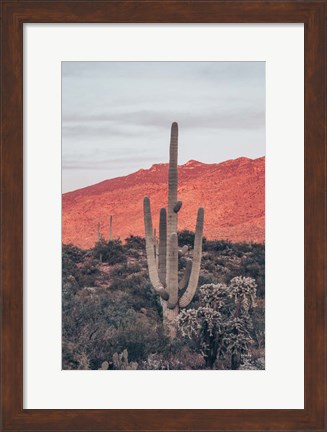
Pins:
<point x="111" y="252"/>
<point x="110" y="307"/>
<point x="135" y="242"/>
<point x="186" y="237"/>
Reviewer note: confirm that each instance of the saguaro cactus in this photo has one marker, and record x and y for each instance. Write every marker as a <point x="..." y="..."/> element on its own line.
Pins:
<point x="99" y="240"/>
<point x="164" y="278"/>
<point x="110" y="228"/>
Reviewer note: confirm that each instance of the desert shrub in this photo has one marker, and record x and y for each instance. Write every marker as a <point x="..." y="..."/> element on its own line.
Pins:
<point x="206" y="278"/>
<point x="244" y="247"/>
<point x="184" y="358"/>
<point x="87" y="275"/>
<point x="139" y="336"/>
<point x="69" y="260"/>
<point x="258" y="319"/>
<point x="221" y="262"/>
<point x="251" y="265"/>
<point x="186" y="237"/>
<point x="68" y="358"/>
<point x="111" y="252"/>
<point x="73" y="253"/>
<point x="209" y="266"/>
<point x="131" y="284"/>
<point x="135" y="242"/>
<point x="254" y="266"/>
<point x="125" y="269"/>
<point x="221" y="325"/>
<point x="78" y="269"/>
<point x="69" y="287"/>
<point x="216" y="245"/>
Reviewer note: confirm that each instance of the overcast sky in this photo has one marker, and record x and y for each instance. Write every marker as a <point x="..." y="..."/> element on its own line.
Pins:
<point x="116" y="116"/>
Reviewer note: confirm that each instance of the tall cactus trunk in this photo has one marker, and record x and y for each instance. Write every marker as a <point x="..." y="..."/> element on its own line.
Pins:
<point x="164" y="276"/>
<point x="170" y="309"/>
<point x="170" y="319"/>
<point x="172" y="245"/>
<point x="172" y="182"/>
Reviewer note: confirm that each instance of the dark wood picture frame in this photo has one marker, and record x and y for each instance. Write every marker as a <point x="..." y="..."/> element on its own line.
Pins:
<point x="14" y="14"/>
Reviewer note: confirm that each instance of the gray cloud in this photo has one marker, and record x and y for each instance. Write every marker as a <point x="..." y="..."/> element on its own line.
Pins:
<point x="157" y="71"/>
<point x="116" y="116"/>
<point x="135" y="122"/>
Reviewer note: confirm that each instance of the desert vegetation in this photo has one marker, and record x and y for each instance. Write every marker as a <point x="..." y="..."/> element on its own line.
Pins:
<point x="112" y="318"/>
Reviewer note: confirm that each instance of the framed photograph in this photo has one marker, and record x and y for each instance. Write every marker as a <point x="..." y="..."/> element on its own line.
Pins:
<point x="163" y="217"/>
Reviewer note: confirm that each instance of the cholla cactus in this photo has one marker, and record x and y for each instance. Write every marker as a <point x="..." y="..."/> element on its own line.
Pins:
<point x="243" y="289"/>
<point x="222" y="325"/>
<point x="164" y="278"/>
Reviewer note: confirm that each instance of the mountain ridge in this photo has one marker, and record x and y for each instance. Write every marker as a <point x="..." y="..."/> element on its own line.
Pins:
<point x="232" y="193"/>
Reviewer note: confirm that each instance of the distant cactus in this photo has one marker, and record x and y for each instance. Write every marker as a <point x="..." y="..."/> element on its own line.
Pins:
<point x="110" y="228"/>
<point x="99" y="240"/>
<point x="165" y="278"/>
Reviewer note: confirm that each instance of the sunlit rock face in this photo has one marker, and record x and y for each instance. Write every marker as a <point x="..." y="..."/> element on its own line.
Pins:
<point x="232" y="193"/>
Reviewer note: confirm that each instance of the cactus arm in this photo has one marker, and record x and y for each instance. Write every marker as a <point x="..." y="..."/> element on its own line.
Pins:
<point x="172" y="189"/>
<point x="172" y="272"/>
<point x="184" y="249"/>
<point x="149" y="244"/>
<point x="162" y="246"/>
<point x="194" y="278"/>
<point x="186" y="276"/>
<point x="178" y="206"/>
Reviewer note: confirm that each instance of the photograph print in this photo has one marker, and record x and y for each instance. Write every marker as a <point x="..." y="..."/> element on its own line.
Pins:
<point x="163" y="215"/>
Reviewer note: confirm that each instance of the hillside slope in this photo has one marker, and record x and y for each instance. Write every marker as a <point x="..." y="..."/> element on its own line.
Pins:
<point x="232" y="193"/>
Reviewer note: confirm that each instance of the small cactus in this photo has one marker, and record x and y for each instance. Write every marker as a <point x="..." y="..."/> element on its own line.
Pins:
<point x="104" y="366"/>
<point x="120" y="361"/>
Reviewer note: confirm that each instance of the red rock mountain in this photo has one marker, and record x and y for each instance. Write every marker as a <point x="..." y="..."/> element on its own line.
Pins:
<point x="232" y="194"/>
